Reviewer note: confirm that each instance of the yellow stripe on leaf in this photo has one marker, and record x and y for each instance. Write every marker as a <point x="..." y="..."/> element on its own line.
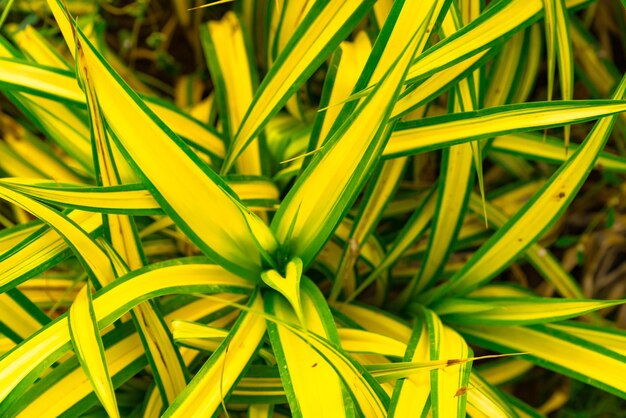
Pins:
<point x="485" y="401"/>
<point x="231" y="71"/>
<point x="31" y="251"/>
<point x="498" y="21"/>
<point x="368" y="395"/>
<point x="353" y="58"/>
<point x="447" y="398"/>
<point x="335" y="175"/>
<point x="518" y="311"/>
<point x="90" y="351"/>
<point x="217" y="222"/>
<point x="411" y="395"/>
<point x="95" y="260"/>
<point x="65" y="391"/>
<point x="125" y="293"/>
<point x="324" y="27"/>
<point x="124" y="199"/>
<point x="538" y="214"/>
<point x="206" y="392"/>
<point x="559" y="47"/>
<point x="557" y="351"/>
<point x="493" y="121"/>
<point x="312" y="385"/>
<point x="35" y="45"/>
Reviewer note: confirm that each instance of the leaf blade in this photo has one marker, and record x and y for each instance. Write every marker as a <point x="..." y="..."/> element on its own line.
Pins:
<point x="90" y="351"/>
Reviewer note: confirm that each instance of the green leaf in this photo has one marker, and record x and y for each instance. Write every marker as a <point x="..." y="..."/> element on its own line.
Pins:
<point x="202" y="395"/>
<point x="22" y="365"/>
<point x="323" y="193"/>
<point x="455" y="128"/>
<point x="537" y="215"/>
<point x="34" y="250"/>
<point x="325" y="25"/>
<point x="288" y="286"/>
<point x="230" y="63"/>
<point x="484" y="400"/>
<point x="410" y="396"/>
<point x="559" y="48"/>
<point x="89" y="350"/>
<point x="447" y="397"/>
<point x="217" y="222"/>
<point x="306" y="374"/>
<point x="516" y="311"/>
<point x="550" y="149"/>
<point x="558" y="351"/>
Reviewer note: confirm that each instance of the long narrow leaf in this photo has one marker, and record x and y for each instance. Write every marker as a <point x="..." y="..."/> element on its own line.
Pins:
<point x="89" y="350"/>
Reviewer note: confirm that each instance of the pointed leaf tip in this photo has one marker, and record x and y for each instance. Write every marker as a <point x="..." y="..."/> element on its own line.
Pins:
<point x="89" y="349"/>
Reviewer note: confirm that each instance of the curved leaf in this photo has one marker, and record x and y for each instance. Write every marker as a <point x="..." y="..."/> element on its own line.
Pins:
<point x="89" y="350"/>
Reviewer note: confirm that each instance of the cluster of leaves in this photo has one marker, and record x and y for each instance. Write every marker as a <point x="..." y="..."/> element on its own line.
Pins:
<point x="314" y="237"/>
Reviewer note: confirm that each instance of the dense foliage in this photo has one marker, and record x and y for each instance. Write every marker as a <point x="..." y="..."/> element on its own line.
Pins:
<point x="312" y="208"/>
